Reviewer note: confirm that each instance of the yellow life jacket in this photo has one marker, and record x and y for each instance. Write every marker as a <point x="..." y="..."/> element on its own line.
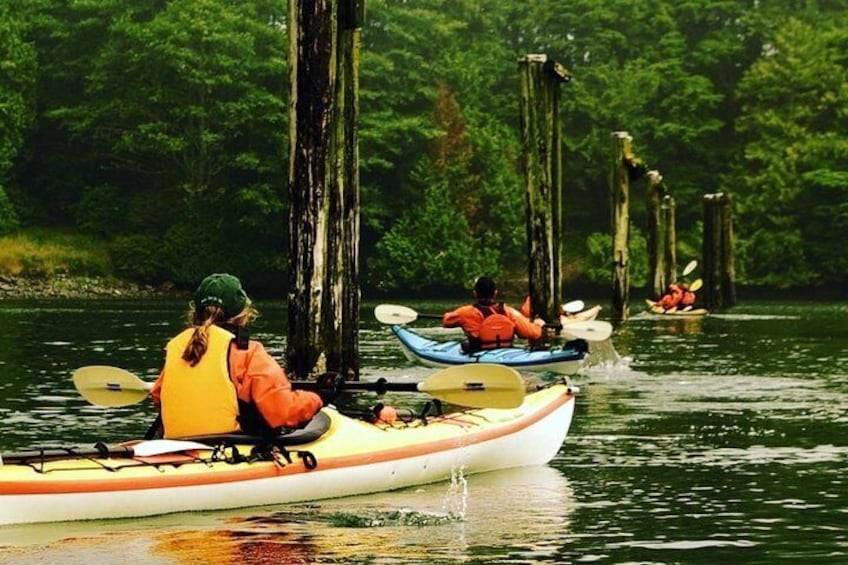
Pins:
<point x="199" y="400"/>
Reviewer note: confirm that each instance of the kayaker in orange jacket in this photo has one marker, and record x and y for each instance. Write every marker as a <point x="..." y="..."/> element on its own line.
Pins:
<point x="672" y="297"/>
<point x="217" y="380"/>
<point x="490" y="325"/>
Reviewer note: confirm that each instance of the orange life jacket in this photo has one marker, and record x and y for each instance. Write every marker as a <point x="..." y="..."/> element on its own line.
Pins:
<point x="496" y="330"/>
<point x="199" y="400"/>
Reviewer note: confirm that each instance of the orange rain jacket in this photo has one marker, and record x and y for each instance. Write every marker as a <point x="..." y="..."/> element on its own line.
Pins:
<point x="259" y="379"/>
<point x="471" y="319"/>
<point x="672" y="298"/>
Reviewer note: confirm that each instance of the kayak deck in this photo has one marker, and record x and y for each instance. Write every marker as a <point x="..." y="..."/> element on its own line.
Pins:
<point x="655" y="308"/>
<point x="353" y="457"/>
<point x="564" y="360"/>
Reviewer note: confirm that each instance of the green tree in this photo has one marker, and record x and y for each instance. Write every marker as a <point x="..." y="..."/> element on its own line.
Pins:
<point x="17" y="80"/>
<point x="794" y="124"/>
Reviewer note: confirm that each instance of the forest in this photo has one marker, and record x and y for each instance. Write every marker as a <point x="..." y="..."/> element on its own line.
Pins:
<point x="158" y="130"/>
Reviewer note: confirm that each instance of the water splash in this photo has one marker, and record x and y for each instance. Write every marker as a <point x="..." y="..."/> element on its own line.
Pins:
<point x="455" y="503"/>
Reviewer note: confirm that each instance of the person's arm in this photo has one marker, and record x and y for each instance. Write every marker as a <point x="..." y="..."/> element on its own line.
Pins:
<point x="261" y="380"/>
<point x="525" y="328"/>
<point x="459" y="318"/>
<point x="156" y="391"/>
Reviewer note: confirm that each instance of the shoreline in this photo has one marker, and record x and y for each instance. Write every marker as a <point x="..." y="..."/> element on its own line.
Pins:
<point x="80" y="287"/>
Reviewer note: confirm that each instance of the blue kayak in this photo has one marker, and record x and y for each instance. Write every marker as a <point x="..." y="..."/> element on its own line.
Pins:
<point x="563" y="360"/>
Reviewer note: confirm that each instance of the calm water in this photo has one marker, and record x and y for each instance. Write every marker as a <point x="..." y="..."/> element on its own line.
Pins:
<point x="720" y="439"/>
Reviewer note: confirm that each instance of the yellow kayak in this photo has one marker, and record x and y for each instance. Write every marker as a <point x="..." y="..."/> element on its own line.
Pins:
<point x="655" y="308"/>
<point x="335" y="456"/>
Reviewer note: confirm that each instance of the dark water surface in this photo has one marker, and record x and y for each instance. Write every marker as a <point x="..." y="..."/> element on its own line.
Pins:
<point x="714" y="440"/>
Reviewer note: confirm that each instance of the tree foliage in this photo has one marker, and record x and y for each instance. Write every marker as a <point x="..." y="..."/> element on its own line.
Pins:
<point x="180" y="108"/>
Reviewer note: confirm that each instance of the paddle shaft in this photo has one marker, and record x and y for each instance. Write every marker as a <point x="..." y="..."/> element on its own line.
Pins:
<point x="379" y="386"/>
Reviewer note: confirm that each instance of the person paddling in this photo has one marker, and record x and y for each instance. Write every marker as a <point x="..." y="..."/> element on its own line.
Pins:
<point x="216" y="380"/>
<point x="490" y="325"/>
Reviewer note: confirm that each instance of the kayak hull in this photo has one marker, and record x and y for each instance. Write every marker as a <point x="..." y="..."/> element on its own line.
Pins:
<point x="654" y="308"/>
<point x="564" y="361"/>
<point x="353" y="457"/>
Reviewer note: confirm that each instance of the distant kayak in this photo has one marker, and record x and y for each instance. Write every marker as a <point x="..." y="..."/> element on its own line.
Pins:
<point x="654" y="308"/>
<point x="583" y="316"/>
<point x="564" y="360"/>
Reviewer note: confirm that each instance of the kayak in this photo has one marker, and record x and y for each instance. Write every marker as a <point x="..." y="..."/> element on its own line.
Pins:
<point x="654" y="308"/>
<point x="564" y="360"/>
<point x="336" y="455"/>
<point x="583" y="316"/>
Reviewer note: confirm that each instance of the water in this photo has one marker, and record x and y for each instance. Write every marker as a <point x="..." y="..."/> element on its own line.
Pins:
<point x="724" y="439"/>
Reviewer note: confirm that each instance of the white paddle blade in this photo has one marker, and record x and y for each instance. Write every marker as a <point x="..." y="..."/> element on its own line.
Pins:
<point x="573" y="307"/>
<point x="593" y="330"/>
<point x="110" y="386"/>
<point x="696" y="286"/>
<point x="690" y="266"/>
<point x="394" y="314"/>
<point x="477" y="385"/>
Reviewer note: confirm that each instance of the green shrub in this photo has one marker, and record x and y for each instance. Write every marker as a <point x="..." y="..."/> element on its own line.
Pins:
<point x="100" y="211"/>
<point x="137" y="257"/>
<point x="8" y="217"/>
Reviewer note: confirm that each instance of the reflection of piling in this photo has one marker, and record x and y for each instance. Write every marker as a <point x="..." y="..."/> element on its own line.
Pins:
<point x="719" y="290"/>
<point x="620" y="193"/>
<point x="542" y="152"/>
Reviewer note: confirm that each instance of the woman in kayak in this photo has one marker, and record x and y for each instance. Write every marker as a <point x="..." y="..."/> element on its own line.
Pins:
<point x="490" y="325"/>
<point x="216" y="380"/>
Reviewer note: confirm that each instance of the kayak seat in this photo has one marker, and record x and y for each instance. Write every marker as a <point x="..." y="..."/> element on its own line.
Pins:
<point x="315" y="428"/>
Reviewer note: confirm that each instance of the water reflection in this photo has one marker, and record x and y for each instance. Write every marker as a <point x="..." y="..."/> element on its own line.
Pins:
<point x="521" y="513"/>
<point x="720" y="441"/>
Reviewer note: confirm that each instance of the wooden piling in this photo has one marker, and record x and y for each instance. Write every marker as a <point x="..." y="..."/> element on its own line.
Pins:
<point x="669" y="243"/>
<point x="542" y="158"/>
<point x="656" y="234"/>
<point x="323" y="294"/>
<point x="719" y="289"/>
<point x="620" y="195"/>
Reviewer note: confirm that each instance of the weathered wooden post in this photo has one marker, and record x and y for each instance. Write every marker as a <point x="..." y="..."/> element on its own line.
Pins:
<point x="718" y="270"/>
<point x="669" y="241"/>
<point x="656" y="234"/>
<point x="621" y="163"/>
<point x="542" y="158"/>
<point x="323" y="295"/>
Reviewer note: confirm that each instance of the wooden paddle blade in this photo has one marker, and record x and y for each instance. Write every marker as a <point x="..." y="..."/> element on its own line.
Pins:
<point x="103" y="385"/>
<point x="696" y="286"/>
<point x="590" y="330"/>
<point x="690" y="266"/>
<point x="476" y="385"/>
<point x="394" y="314"/>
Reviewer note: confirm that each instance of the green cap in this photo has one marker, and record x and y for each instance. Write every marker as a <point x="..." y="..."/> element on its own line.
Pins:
<point x="223" y="290"/>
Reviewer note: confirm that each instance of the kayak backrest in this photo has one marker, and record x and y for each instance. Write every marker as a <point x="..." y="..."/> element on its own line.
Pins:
<point x="316" y="427"/>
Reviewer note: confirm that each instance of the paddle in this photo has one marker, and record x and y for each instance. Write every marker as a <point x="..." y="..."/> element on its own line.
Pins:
<point x="696" y="285"/>
<point x="573" y="307"/>
<point x="396" y="314"/>
<point x="476" y="385"/>
<point x="590" y="330"/>
<point x="690" y="266"/>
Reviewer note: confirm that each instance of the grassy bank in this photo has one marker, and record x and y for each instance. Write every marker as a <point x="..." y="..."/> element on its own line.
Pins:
<point x="45" y="254"/>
